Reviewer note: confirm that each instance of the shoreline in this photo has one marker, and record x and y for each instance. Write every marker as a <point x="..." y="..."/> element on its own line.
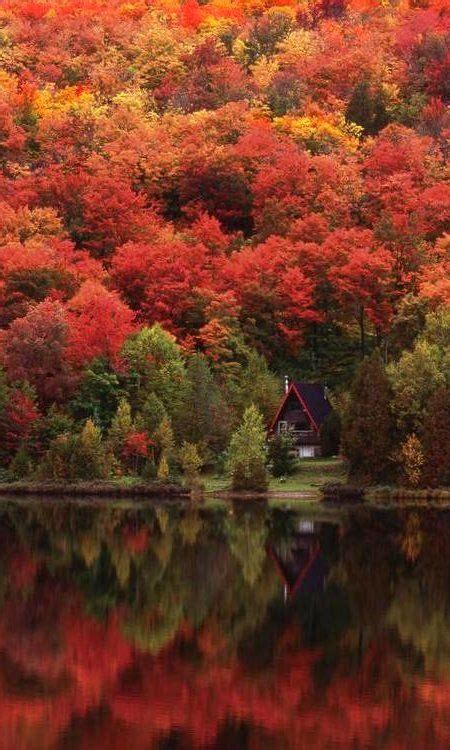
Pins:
<point x="94" y="489"/>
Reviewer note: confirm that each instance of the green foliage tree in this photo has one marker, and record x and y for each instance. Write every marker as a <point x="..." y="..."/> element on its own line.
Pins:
<point x="21" y="466"/>
<point x="419" y="372"/>
<point x="88" y="461"/>
<point x="280" y="455"/>
<point x="436" y="439"/>
<point x="246" y="462"/>
<point x="98" y="394"/>
<point x="257" y="385"/>
<point x="204" y="417"/>
<point x="121" y="426"/>
<point x="330" y="434"/>
<point x="191" y="463"/>
<point x="156" y="365"/>
<point x="367" y="108"/>
<point x="57" y="422"/>
<point x="151" y="414"/>
<point x="165" y="443"/>
<point x="368" y="429"/>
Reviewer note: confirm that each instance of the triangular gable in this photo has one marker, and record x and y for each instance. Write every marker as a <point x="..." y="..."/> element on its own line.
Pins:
<point x="293" y="389"/>
<point x="293" y="585"/>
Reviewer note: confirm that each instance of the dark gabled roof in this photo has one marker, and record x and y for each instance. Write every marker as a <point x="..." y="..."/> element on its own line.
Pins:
<point x="315" y="399"/>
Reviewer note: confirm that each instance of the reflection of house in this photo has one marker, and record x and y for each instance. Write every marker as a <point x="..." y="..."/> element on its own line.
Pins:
<point x="298" y="559"/>
<point x="302" y="412"/>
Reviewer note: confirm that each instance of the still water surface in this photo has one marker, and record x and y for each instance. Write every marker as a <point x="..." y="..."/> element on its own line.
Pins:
<point x="248" y="627"/>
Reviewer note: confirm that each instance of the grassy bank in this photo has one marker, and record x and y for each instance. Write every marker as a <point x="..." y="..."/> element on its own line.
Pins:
<point x="307" y="478"/>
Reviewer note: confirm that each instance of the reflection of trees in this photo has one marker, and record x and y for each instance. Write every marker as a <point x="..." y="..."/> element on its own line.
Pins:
<point x="246" y="534"/>
<point x="132" y="627"/>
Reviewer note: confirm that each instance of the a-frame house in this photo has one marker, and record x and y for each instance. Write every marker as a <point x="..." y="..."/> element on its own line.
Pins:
<point x="302" y="412"/>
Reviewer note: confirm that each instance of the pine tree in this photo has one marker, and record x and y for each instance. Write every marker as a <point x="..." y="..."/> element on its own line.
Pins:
<point x="436" y="439"/>
<point x="368" y="430"/>
<point x="203" y="416"/>
<point x="247" y="453"/>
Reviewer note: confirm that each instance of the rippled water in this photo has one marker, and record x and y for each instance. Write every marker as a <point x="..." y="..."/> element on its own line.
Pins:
<point x="244" y="627"/>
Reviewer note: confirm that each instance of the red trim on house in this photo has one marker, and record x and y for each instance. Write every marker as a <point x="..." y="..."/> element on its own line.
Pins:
<point x="291" y="589"/>
<point x="291" y="388"/>
<point x="313" y="421"/>
<point x="280" y="408"/>
<point x="305" y="570"/>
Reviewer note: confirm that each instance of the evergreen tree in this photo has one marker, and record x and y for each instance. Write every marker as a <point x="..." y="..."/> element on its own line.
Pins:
<point x="204" y="417"/>
<point x="98" y="394"/>
<point x="436" y="439"/>
<point x="368" y="430"/>
<point x="156" y="365"/>
<point x="367" y="108"/>
<point x="330" y="434"/>
<point x="247" y="453"/>
<point x="280" y="456"/>
<point x="257" y="385"/>
<point x="151" y="414"/>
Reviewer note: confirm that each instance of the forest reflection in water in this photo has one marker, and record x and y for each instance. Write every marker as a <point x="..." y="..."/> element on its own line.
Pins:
<point x="240" y="627"/>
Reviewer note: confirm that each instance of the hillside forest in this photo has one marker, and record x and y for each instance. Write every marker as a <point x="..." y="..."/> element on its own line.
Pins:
<point x="198" y="198"/>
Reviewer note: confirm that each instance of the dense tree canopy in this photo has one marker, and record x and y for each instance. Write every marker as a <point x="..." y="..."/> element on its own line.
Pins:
<point x="252" y="176"/>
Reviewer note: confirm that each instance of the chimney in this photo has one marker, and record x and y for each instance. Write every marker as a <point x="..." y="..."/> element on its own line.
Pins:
<point x="286" y="383"/>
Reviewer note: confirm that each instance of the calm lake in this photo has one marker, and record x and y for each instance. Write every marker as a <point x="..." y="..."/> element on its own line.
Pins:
<point x="240" y="627"/>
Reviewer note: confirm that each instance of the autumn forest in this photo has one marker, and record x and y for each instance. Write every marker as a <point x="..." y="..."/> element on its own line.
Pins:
<point x="198" y="198"/>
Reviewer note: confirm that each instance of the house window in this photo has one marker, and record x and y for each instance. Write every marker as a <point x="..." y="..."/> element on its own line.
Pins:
<point x="306" y="451"/>
<point x="282" y="427"/>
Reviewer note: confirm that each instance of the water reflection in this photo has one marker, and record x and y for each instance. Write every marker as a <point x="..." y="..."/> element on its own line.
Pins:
<point x="250" y="628"/>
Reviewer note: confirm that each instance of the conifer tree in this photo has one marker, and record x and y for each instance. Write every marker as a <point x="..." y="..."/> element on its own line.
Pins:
<point x="436" y="439"/>
<point x="368" y="435"/>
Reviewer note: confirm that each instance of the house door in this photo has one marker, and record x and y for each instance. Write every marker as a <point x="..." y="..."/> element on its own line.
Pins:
<point x="306" y="451"/>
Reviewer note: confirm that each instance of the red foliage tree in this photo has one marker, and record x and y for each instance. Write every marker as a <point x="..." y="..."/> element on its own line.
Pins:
<point x="99" y="323"/>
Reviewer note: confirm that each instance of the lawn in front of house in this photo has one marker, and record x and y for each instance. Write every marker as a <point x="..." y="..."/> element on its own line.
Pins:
<point x="308" y="476"/>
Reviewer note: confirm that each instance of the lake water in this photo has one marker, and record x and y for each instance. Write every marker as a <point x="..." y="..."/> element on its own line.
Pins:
<point x="242" y="627"/>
